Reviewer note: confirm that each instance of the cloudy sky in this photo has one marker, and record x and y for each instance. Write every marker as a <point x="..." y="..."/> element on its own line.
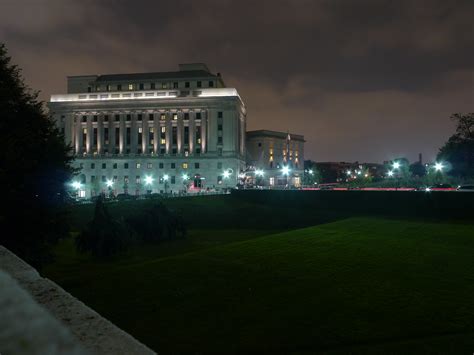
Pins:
<point x="362" y="80"/>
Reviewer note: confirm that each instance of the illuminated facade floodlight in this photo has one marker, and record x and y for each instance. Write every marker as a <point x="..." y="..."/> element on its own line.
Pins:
<point x="185" y="177"/>
<point x="226" y="174"/>
<point x="396" y="165"/>
<point x="148" y="180"/>
<point x="259" y="172"/>
<point x="285" y="170"/>
<point x="166" y="177"/>
<point x="438" y="166"/>
<point x="390" y="173"/>
<point x="76" y="185"/>
<point x="109" y="183"/>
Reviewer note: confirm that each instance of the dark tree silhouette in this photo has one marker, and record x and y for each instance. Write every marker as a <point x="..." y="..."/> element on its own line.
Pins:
<point x="35" y="166"/>
<point x="103" y="236"/>
<point x="459" y="149"/>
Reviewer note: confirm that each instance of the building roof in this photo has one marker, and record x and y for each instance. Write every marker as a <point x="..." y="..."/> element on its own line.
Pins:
<point x="274" y="134"/>
<point x="157" y="75"/>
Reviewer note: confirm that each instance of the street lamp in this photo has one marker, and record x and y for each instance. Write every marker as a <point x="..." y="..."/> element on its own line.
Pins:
<point x="390" y="173"/>
<point x="259" y="172"/>
<point x="165" y="177"/>
<point x="76" y="185"/>
<point x="439" y="166"/>
<point x="396" y="165"/>
<point x="185" y="177"/>
<point x="148" y="180"/>
<point x="285" y="170"/>
<point x="109" y="183"/>
<point x="226" y="174"/>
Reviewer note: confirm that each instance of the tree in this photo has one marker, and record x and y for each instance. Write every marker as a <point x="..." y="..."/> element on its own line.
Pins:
<point x="417" y="169"/>
<point x="34" y="169"/>
<point x="103" y="236"/>
<point x="459" y="149"/>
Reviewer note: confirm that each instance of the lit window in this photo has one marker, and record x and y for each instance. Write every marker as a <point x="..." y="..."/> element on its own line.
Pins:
<point x="140" y="129"/>
<point x="138" y="165"/>
<point x="149" y="165"/>
<point x="163" y="141"/>
<point x="175" y="116"/>
<point x="162" y="117"/>
<point x="185" y="165"/>
<point x="272" y="181"/>
<point x="130" y="86"/>
<point x="152" y="129"/>
<point x="163" y="129"/>
<point x="163" y="86"/>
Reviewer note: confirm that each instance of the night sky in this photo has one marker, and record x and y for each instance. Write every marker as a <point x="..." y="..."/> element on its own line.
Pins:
<point x="362" y="80"/>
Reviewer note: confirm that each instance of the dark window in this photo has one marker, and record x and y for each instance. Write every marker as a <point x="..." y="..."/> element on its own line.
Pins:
<point x="95" y="118"/>
<point x="114" y="166"/>
<point x="160" y="165"/>
<point x="196" y="165"/>
<point x="106" y="118"/>
<point x="219" y="179"/>
<point x="219" y="140"/>
<point x="129" y="117"/>
<point x="173" y="179"/>
<point x="139" y="117"/>
<point x="198" y="115"/>
<point x="117" y="135"/>
<point x="106" y="135"/>
<point x="211" y="84"/>
<point x="174" y="132"/>
<point x="92" y="165"/>
<point x="117" y="118"/>
<point x="119" y="87"/>
<point x="175" y="85"/>
<point x="162" y="151"/>
<point x="94" y="137"/>
<point x="219" y="114"/>
<point x="186" y="84"/>
<point x="125" y="165"/>
<point x="89" y="89"/>
<point x="259" y="144"/>
<point x="186" y="135"/>
<point x="174" y="151"/>
<point x="199" y="84"/>
<point x="84" y="118"/>
<point x="141" y="86"/>
<point x="186" y="116"/>
<point x="104" y="165"/>
<point x="150" y="117"/>
<point x="152" y="86"/>
<point x="128" y="136"/>
<point x="219" y="127"/>
<point x="173" y="165"/>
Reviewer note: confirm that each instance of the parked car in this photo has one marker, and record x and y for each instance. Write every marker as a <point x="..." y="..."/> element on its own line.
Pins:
<point x="440" y="187"/>
<point x="125" y="197"/>
<point x="465" y="188"/>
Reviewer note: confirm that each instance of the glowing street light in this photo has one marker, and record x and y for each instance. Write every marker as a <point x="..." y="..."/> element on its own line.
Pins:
<point x="348" y="172"/>
<point x="226" y="174"/>
<point x="109" y="183"/>
<point x="396" y="165"/>
<point x="285" y="170"/>
<point x="310" y="172"/>
<point x="259" y="172"/>
<point x="76" y="185"/>
<point x="439" y="166"/>
<point x="148" y="180"/>
<point x="166" y="177"/>
<point x="390" y="173"/>
<point x="185" y="177"/>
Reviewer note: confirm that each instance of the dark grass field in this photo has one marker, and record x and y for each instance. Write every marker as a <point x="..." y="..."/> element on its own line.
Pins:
<point x="251" y="278"/>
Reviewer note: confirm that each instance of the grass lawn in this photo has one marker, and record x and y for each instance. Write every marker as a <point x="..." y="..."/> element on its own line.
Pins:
<point x="355" y="285"/>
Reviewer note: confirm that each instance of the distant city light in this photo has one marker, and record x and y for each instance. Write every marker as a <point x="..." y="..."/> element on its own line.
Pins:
<point x="390" y="173"/>
<point x="285" y="170"/>
<point x="76" y="185"/>
<point x="259" y="172"/>
<point x="148" y="180"/>
<point x="438" y="166"/>
<point x="396" y="164"/>
<point x="166" y="177"/>
<point x="109" y="183"/>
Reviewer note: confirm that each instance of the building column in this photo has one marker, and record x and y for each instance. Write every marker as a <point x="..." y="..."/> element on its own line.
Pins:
<point x="203" y="132"/>
<point x="122" y="133"/>
<point x="168" y="131"/>
<point x="180" y="133"/>
<point x="156" y="133"/>
<point x="89" y="134"/>
<point x="100" y="133"/>
<point x="78" y="134"/>
<point x="192" y="132"/>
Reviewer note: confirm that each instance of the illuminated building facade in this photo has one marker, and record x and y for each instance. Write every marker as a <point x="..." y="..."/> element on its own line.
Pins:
<point x="153" y="132"/>
<point x="277" y="156"/>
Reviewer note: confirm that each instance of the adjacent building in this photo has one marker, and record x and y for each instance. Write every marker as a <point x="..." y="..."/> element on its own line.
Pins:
<point x="140" y="133"/>
<point x="275" y="158"/>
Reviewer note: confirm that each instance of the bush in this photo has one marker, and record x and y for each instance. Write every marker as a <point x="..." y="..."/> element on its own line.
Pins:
<point x="157" y="223"/>
<point x="103" y="236"/>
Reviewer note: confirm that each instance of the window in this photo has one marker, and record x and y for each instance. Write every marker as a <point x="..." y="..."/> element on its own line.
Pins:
<point x="125" y="165"/>
<point x="89" y="89"/>
<point x="219" y="151"/>
<point x="219" y="165"/>
<point x="175" y="85"/>
<point x="211" y="84"/>
<point x="107" y="88"/>
<point x="125" y="179"/>
<point x="198" y="115"/>
<point x="119" y="87"/>
<point x="114" y="166"/>
<point x="196" y="165"/>
<point x="219" y="114"/>
<point x="186" y="116"/>
<point x="128" y="132"/>
<point x="160" y="165"/>
<point x="164" y="86"/>
<point x="173" y="165"/>
<point x="219" y="128"/>
<point x="149" y="165"/>
<point x="186" y="135"/>
<point x="219" y="180"/>
<point x="259" y="144"/>
<point x="173" y="179"/>
<point x="104" y="166"/>
<point x="137" y="179"/>
<point x="106" y="135"/>
<point x="139" y="117"/>
<point x="84" y="118"/>
<point x="138" y="165"/>
<point x="129" y="118"/>
<point x="92" y="178"/>
<point x="117" y="136"/>
<point x="174" y="135"/>
<point x="92" y="165"/>
<point x="199" y="84"/>
<point x="272" y="181"/>
<point x="174" y="151"/>
<point x="104" y="179"/>
<point x="162" y="151"/>
<point x="106" y="118"/>
<point x="152" y="86"/>
<point x="162" y="117"/>
<point x="141" y="86"/>
<point x="94" y="137"/>
<point x="175" y="116"/>
<point x="185" y="165"/>
<point x="219" y="140"/>
<point x="117" y="118"/>
<point x="130" y="86"/>
<point x="150" y="117"/>
<point x="186" y="84"/>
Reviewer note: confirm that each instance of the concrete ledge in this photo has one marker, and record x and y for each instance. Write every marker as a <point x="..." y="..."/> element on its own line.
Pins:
<point x="92" y="332"/>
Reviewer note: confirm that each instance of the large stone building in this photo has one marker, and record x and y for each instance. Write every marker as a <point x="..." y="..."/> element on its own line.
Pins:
<point x="275" y="158"/>
<point x="153" y="132"/>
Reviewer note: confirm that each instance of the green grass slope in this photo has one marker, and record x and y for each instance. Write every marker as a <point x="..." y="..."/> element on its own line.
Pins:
<point x="358" y="285"/>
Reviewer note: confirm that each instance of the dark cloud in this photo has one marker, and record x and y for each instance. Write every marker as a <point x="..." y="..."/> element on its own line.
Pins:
<point x="363" y="80"/>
